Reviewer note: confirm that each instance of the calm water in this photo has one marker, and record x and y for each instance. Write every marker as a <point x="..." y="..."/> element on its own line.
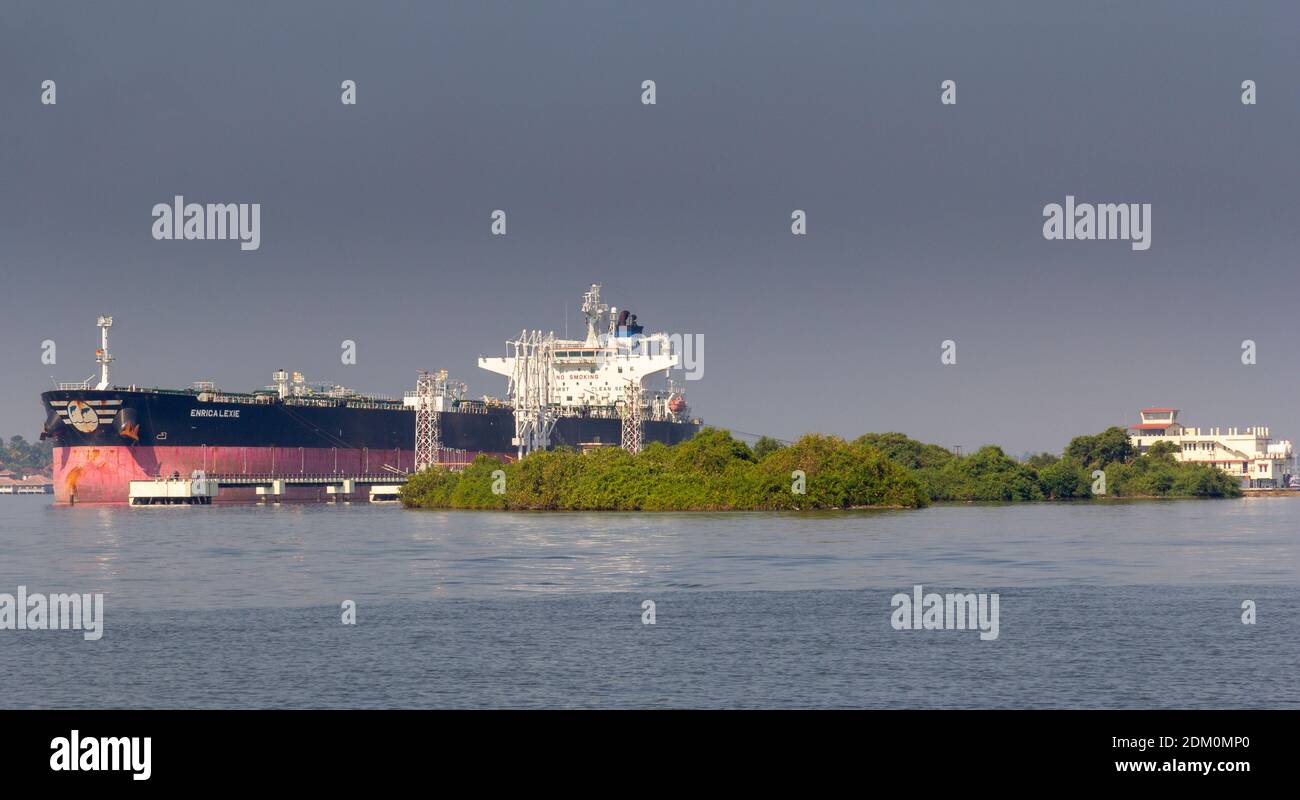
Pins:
<point x="1111" y="605"/>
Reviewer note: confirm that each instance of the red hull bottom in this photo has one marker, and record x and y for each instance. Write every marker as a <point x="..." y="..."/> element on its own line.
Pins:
<point x="104" y="474"/>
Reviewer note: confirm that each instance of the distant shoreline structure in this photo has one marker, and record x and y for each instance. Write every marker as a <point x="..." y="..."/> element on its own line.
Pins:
<point x="25" y="484"/>
<point x="1250" y="455"/>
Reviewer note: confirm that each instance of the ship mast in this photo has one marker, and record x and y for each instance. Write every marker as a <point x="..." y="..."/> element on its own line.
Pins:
<point x="631" y="433"/>
<point x="102" y="356"/>
<point x="428" y="428"/>
<point x="594" y="311"/>
<point x="529" y="390"/>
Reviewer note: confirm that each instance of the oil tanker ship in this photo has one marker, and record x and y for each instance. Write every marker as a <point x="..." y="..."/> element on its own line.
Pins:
<point x="296" y="441"/>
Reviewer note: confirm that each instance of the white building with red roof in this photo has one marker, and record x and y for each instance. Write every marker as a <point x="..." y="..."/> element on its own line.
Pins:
<point x="1249" y="454"/>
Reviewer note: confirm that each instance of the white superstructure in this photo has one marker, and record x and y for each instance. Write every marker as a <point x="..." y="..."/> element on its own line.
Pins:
<point x="1249" y="454"/>
<point x="600" y="375"/>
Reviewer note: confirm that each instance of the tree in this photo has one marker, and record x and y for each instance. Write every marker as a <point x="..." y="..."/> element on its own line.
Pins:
<point x="709" y="451"/>
<point x="1109" y="446"/>
<point x="986" y="474"/>
<point x="906" y="452"/>
<point x="765" y="446"/>
<point x="1163" y="450"/>
<point x="1040" y="460"/>
<point x="24" y="458"/>
<point x="1063" y="480"/>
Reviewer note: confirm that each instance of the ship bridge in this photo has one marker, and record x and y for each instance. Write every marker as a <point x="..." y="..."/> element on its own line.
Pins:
<point x="550" y="377"/>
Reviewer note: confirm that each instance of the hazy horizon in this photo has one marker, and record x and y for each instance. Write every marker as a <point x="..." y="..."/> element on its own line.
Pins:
<point x="925" y="221"/>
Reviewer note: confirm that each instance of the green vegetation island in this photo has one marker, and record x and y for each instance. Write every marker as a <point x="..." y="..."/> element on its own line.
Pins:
<point x="715" y="472"/>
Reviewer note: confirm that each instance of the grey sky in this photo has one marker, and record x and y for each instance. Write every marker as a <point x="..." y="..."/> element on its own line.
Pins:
<point x="924" y="220"/>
